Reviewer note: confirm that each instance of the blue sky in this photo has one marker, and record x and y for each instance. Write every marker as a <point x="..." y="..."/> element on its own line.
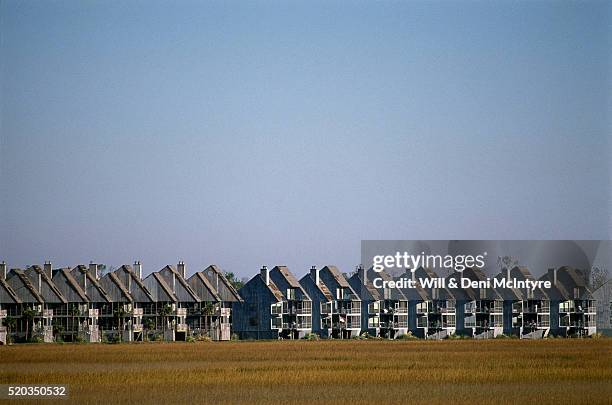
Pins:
<point x="250" y="133"/>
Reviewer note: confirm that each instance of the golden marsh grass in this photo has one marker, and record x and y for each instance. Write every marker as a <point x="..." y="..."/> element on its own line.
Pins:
<point x="500" y="371"/>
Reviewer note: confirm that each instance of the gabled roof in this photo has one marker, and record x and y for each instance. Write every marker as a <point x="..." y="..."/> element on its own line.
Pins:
<point x="171" y="271"/>
<point x="93" y="281"/>
<point x="113" y="281"/>
<point x="281" y="277"/>
<point x="157" y="285"/>
<point x="21" y="285"/>
<point x="71" y="282"/>
<point x="124" y="273"/>
<point x="476" y="274"/>
<point x="366" y="291"/>
<point x="425" y="272"/>
<point x="4" y="286"/>
<point x="321" y="286"/>
<point x="416" y="293"/>
<point x="568" y="278"/>
<point x="390" y="293"/>
<point x="291" y="280"/>
<point x="53" y="293"/>
<point x="214" y="275"/>
<point x="333" y="270"/>
<point x="199" y="282"/>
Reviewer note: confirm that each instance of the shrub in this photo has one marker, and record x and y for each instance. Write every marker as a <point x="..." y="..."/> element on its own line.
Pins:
<point x="407" y="336"/>
<point x="311" y="336"/>
<point x="235" y="336"/>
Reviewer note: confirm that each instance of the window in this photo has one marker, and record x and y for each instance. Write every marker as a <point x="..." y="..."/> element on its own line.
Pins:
<point x="355" y="307"/>
<point x="566" y="306"/>
<point x="326" y="307"/>
<point x="470" y="321"/>
<point x="421" y="308"/>
<point x="290" y="293"/>
<point x="277" y="308"/>
<point x="304" y="307"/>
<point x="497" y="321"/>
<point x="373" y="322"/>
<point x="374" y="307"/>
<point x="448" y="321"/>
<point x="576" y="293"/>
<point x="421" y="322"/>
<point x="544" y="321"/>
<point x="277" y="323"/>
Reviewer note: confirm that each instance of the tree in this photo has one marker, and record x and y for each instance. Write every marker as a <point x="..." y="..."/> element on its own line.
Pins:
<point x="28" y="315"/>
<point x="75" y="312"/>
<point x="207" y="311"/>
<point x="165" y="312"/>
<point x="148" y="325"/>
<point x="233" y="280"/>
<point x="10" y="324"/>
<point x="120" y="315"/>
<point x="597" y="277"/>
<point x="507" y="262"/>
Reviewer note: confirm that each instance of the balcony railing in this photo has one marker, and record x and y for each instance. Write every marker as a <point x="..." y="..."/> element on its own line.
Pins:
<point x="181" y="327"/>
<point x="181" y="312"/>
<point x="3" y="313"/>
<point x="47" y="313"/>
<point x="138" y="312"/>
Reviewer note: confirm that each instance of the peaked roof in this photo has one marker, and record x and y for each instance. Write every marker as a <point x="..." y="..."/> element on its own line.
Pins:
<point x="38" y="271"/>
<point x="119" y="285"/>
<point x="9" y="291"/>
<point x="127" y="269"/>
<point x="284" y="271"/>
<point x="72" y="283"/>
<point x="200" y="278"/>
<point x="364" y="290"/>
<point x="333" y="270"/>
<point x="84" y="270"/>
<point x="214" y="269"/>
<point x="178" y="277"/>
<point x="25" y="282"/>
<point x="321" y="287"/>
<point x="162" y="283"/>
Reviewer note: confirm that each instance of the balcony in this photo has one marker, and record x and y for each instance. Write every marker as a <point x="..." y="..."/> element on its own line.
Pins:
<point x="137" y="327"/>
<point x="137" y="312"/>
<point x="92" y="313"/>
<point x="181" y="327"/>
<point x="47" y="313"/>
<point x="181" y="312"/>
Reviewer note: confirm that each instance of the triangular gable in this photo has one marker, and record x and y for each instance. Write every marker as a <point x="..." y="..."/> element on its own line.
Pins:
<point x="158" y="288"/>
<point x="68" y="286"/>
<point x="115" y="288"/>
<point x="200" y="284"/>
<point x="23" y="287"/>
<point x="92" y="287"/>
<point x="181" y="289"/>
<point x="7" y="294"/>
<point x="47" y="289"/>
<point x="225" y="290"/>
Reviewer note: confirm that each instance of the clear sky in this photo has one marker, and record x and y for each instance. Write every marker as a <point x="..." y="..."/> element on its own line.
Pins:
<point x="250" y="133"/>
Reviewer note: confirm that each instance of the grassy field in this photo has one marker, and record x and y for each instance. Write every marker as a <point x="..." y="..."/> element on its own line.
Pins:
<point x="506" y="371"/>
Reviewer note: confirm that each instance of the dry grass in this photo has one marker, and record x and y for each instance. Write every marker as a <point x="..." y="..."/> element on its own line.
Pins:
<point x="507" y="371"/>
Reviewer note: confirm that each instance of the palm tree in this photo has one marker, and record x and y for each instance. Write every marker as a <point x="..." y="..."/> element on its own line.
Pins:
<point x="148" y="324"/>
<point x="10" y="323"/>
<point x="165" y="311"/>
<point x="207" y="311"/>
<point x="28" y="315"/>
<point x="58" y="329"/>
<point x="120" y="315"/>
<point x="75" y="312"/>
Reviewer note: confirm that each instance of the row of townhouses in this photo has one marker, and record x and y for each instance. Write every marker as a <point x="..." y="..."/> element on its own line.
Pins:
<point x="79" y="303"/>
